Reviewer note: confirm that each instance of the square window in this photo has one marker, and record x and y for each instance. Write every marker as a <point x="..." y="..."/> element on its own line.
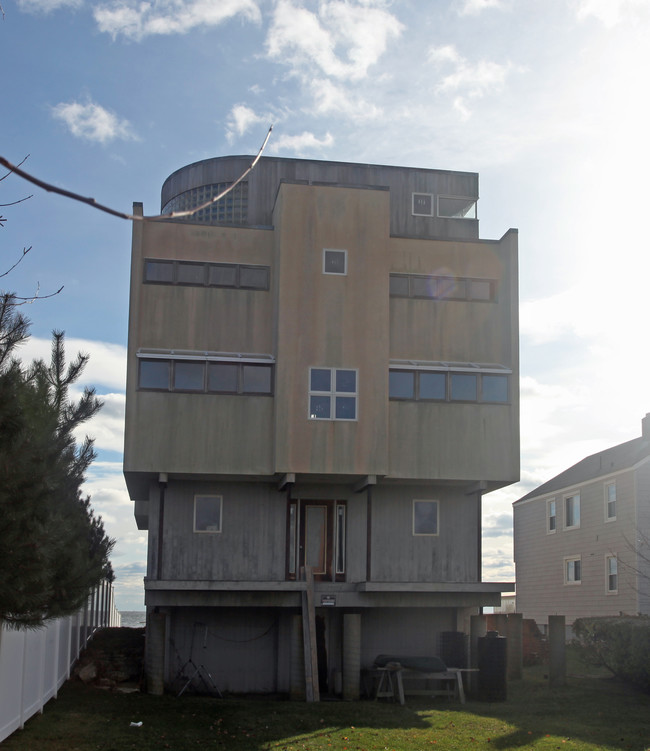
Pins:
<point x="572" y="511"/>
<point x="401" y="384"/>
<point x="191" y="273"/>
<point x="223" y="275"/>
<point x="425" y="518"/>
<point x="346" y="408"/>
<point x="223" y="377"/>
<point x="494" y="388"/>
<point x="422" y="204"/>
<point x="161" y="272"/>
<point x="572" y="570"/>
<point x="332" y="394"/>
<point x="463" y="387"/>
<point x="335" y="261"/>
<point x="346" y="381"/>
<point x="610" y="501"/>
<point x="399" y="285"/>
<point x="254" y="277"/>
<point x="256" y="379"/>
<point x="423" y="286"/>
<point x="154" y="374"/>
<point x="319" y="407"/>
<point x="207" y="513"/>
<point x="433" y="386"/>
<point x="480" y="289"/>
<point x="189" y="376"/>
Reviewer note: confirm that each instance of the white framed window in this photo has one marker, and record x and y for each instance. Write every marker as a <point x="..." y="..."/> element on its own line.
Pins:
<point x="207" y="513"/>
<point x="611" y="563"/>
<point x="335" y="261"/>
<point x="551" y="516"/>
<point x="425" y="518"/>
<point x="422" y="204"/>
<point x="457" y="207"/>
<point x="333" y="394"/>
<point x="573" y="570"/>
<point x="610" y="501"/>
<point x="572" y="511"/>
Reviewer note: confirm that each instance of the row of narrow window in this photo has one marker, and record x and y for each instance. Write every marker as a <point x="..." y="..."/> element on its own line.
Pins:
<point x="572" y="509"/>
<point x="333" y="392"/>
<point x="573" y="571"/>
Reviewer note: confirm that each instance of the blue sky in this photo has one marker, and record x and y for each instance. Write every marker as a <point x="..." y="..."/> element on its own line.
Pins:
<point x="546" y="99"/>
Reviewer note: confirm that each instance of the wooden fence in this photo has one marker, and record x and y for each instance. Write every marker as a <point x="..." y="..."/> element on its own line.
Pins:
<point x="35" y="664"/>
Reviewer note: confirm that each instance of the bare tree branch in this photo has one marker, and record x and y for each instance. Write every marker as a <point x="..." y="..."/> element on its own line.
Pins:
<point x="25" y="252"/>
<point x="20" y="163"/>
<point x="35" y="297"/>
<point x="92" y="202"/>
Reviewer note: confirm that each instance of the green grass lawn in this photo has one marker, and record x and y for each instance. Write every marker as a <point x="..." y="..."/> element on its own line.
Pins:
<point x="594" y="712"/>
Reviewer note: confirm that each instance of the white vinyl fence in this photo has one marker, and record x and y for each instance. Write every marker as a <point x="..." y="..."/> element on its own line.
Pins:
<point x="35" y="664"/>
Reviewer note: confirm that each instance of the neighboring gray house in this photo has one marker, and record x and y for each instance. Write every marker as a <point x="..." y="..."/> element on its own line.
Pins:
<point x="323" y="372"/>
<point x="581" y="538"/>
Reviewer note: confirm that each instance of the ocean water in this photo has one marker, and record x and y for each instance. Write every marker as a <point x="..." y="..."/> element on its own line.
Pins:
<point x="133" y="618"/>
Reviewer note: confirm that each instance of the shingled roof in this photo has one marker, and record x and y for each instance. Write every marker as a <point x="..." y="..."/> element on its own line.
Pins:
<point x="613" y="459"/>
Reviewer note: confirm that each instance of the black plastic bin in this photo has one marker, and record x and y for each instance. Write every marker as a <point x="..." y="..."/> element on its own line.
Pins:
<point x="493" y="667"/>
<point x="453" y="649"/>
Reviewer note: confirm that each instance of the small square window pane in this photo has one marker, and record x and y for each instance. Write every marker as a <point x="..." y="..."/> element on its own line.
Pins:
<point x="423" y="286"/>
<point x="191" y="273"/>
<point x="207" y="513"/>
<point x="480" y="289"/>
<point x="433" y="385"/>
<point x="188" y="376"/>
<point x="224" y="275"/>
<point x="422" y="204"/>
<point x="495" y="388"/>
<point x="399" y="285"/>
<point x="425" y="517"/>
<point x="254" y="277"/>
<point x="346" y="381"/>
<point x="401" y="384"/>
<point x="223" y="377"/>
<point x="319" y="407"/>
<point x="154" y="374"/>
<point x="463" y="387"/>
<point x="320" y="379"/>
<point x="334" y="261"/>
<point x="346" y="408"/>
<point x="159" y="271"/>
<point x="256" y="379"/>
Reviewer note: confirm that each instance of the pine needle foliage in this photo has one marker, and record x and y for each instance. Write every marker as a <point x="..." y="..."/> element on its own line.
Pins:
<point x="53" y="549"/>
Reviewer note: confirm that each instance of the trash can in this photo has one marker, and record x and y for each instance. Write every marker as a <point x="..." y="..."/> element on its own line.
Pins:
<point x="493" y="667"/>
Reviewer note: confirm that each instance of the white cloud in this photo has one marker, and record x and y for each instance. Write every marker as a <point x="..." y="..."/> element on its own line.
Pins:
<point x="473" y="7"/>
<point x="136" y="20"/>
<point x="45" y="6"/>
<point x="242" y="119"/>
<point x="343" y="39"/>
<point x="330" y="98"/>
<point x="301" y="144"/>
<point x="473" y="79"/>
<point x="92" y="122"/>
<point x="610" y="12"/>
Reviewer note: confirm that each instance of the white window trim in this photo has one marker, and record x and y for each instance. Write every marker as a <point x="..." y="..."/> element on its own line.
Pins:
<point x="417" y="213"/>
<point x="567" y="581"/>
<point x="333" y="393"/>
<point x="605" y="490"/>
<point x="566" y="498"/>
<point x="550" y="531"/>
<point x="608" y="557"/>
<point x="209" y="531"/>
<point x="345" y="264"/>
<point x="425" y="534"/>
